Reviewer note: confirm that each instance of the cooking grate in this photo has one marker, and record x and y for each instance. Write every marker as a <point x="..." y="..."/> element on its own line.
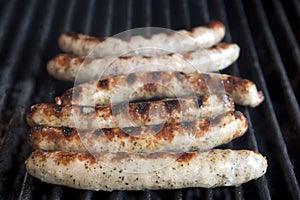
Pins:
<point x="267" y="32"/>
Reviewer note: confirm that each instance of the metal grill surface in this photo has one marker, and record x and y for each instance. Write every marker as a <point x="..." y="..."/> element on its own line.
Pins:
<point x="267" y="31"/>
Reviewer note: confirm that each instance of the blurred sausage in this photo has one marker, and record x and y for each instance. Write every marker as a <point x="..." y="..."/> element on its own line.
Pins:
<point x="175" y="42"/>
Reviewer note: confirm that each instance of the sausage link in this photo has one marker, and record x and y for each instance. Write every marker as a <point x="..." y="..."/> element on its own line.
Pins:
<point x="129" y="171"/>
<point x="147" y="85"/>
<point x="132" y="114"/>
<point x="197" y="135"/>
<point x="176" y="42"/>
<point x="82" y="69"/>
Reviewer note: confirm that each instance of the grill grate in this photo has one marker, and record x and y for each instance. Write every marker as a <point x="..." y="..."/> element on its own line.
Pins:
<point x="267" y="32"/>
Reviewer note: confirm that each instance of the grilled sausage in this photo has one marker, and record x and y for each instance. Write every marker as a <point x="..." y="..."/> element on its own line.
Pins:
<point x="145" y="85"/>
<point x="82" y="69"/>
<point x="132" y="114"/>
<point x="180" y="41"/>
<point x="201" y="135"/>
<point x="129" y="171"/>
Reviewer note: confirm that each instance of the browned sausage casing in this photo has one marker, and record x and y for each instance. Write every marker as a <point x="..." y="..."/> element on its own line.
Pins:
<point x="200" y="134"/>
<point x="147" y="85"/>
<point x="132" y="114"/>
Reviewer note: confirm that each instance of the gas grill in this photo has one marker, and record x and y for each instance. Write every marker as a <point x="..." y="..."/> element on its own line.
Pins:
<point x="267" y="32"/>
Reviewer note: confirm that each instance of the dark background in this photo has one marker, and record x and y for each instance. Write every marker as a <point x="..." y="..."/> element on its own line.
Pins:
<point x="267" y="32"/>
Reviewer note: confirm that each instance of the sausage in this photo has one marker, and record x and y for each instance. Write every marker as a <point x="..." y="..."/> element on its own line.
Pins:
<point x="132" y="114"/>
<point x="145" y="85"/>
<point x="131" y="171"/>
<point x="82" y="69"/>
<point x="175" y="42"/>
<point x="197" y="135"/>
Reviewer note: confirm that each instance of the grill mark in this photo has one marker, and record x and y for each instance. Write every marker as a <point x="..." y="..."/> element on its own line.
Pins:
<point x="98" y="132"/>
<point x="131" y="78"/>
<point x="180" y="76"/>
<point x="156" y="76"/>
<point x="142" y="108"/>
<point x="167" y="133"/>
<point x="67" y="131"/>
<point x="132" y="131"/>
<point x="200" y="100"/>
<point x="103" y="84"/>
<point x="172" y="105"/>
<point x="218" y="119"/>
<point x="109" y="134"/>
<point x="155" y="128"/>
<point x="118" y="109"/>
<point x="186" y="125"/>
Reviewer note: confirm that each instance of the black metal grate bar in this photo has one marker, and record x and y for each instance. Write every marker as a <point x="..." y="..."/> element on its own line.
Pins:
<point x="147" y="9"/>
<point x="291" y="107"/>
<point x="27" y="85"/>
<point x="67" y="20"/>
<point x="129" y="15"/>
<point x="286" y="43"/>
<point x="219" y="7"/>
<point x="35" y="62"/>
<point x="89" y="18"/>
<point x="290" y="40"/>
<point x="167" y="15"/>
<point x="292" y="10"/>
<point x="15" y="51"/>
<point x="261" y="185"/>
<point x="186" y="14"/>
<point x="204" y="18"/>
<point x="281" y="149"/>
<point x="108" y="25"/>
<point x="6" y="20"/>
<point x="205" y="11"/>
<point x="287" y="90"/>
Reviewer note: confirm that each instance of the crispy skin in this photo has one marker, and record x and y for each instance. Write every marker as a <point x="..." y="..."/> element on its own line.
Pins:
<point x="128" y="171"/>
<point x="82" y="69"/>
<point x="201" y="135"/>
<point x="180" y="41"/>
<point x="132" y="114"/>
<point x="145" y="85"/>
